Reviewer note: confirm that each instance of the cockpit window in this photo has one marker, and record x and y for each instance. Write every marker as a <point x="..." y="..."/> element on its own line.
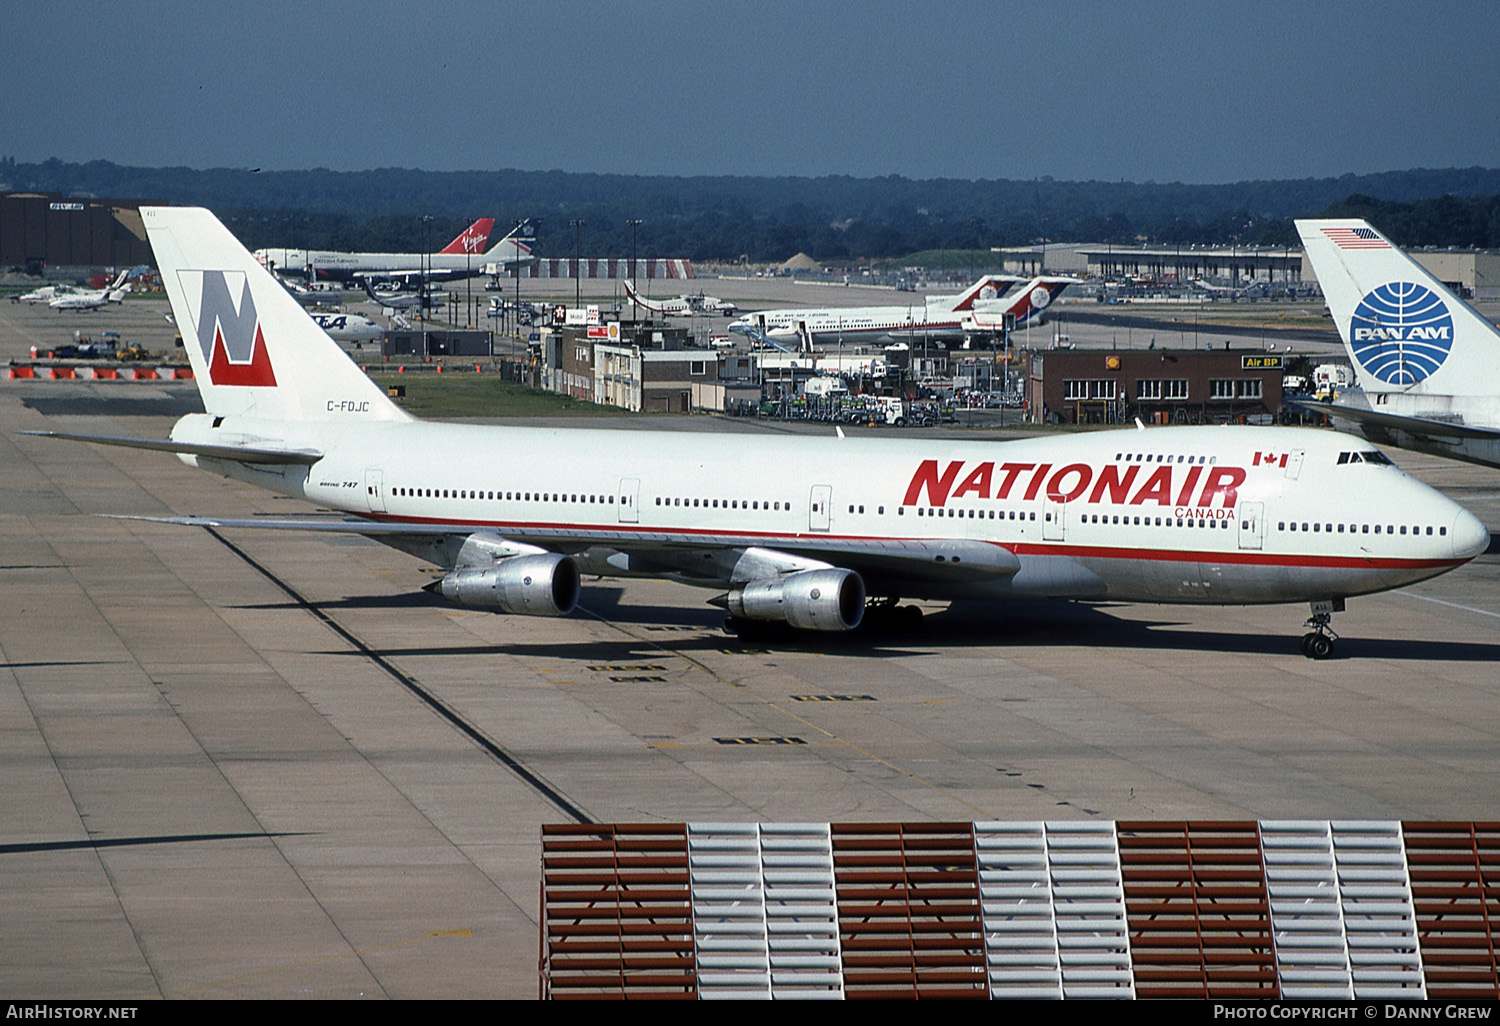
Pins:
<point x="1372" y="456"/>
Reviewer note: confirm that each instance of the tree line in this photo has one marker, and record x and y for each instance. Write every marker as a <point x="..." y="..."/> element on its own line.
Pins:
<point x="835" y="219"/>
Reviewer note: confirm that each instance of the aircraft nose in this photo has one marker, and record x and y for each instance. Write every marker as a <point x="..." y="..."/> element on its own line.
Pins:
<point x="1470" y="536"/>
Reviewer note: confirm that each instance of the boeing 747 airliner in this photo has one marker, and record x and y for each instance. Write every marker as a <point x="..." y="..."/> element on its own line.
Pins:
<point x="792" y="530"/>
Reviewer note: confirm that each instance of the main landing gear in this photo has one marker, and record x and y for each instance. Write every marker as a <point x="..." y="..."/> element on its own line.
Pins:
<point x="748" y="630"/>
<point x="1318" y="643"/>
<point x="890" y="617"/>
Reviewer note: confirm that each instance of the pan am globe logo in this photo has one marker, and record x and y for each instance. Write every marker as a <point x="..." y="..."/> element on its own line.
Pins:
<point x="1401" y="332"/>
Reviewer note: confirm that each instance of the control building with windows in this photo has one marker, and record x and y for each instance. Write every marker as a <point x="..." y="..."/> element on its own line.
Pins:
<point x="638" y="366"/>
<point x="1160" y="386"/>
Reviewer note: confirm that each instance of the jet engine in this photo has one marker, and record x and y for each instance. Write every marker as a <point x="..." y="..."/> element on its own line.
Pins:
<point x="814" y="600"/>
<point x="538" y="585"/>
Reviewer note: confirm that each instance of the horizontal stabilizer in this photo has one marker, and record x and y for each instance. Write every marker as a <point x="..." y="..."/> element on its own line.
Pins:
<point x="240" y="454"/>
<point x="1415" y="425"/>
<point x="326" y="525"/>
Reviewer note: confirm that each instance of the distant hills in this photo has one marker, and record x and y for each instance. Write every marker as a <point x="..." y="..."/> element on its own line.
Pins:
<point x="835" y="218"/>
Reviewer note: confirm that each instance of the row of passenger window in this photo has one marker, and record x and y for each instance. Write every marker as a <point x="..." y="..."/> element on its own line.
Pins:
<point x="1151" y="457"/>
<point x="1355" y="528"/>
<point x="750" y="504"/>
<point x="971" y="514"/>
<point x="1094" y="518"/>
<point x="1086" y="518"/>
<point x="464" y="493"/>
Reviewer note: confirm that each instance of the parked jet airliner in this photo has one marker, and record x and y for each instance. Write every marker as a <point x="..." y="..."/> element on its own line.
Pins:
<point x="791" y="530"/>
<point x="465" y="256"/>
<point x="945" y="320"/>
<point x="1427" y="363"/>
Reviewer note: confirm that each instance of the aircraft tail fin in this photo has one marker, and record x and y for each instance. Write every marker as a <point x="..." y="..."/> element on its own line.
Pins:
<point x="635" y="297"/>
<point x="255" y="351"/>
<point x="1038" y="294"/>
<point x="1404" y="329"/>
<point x="1027" y="303"/>
<point x="991" y="286"/>
<point x="472" y="239"/>
<point x="514" y="247"/>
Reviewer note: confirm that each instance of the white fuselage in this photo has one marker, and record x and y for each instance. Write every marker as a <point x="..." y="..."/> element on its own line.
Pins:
<point x="45" y="294"/>
<point x="348" y="327"/>
<point x="855" y="324"/>
<point x="90" y="299"/>
<point x="665" y="307"/>
<point x="326" y="265"/>
<point x="1197" y="515"/>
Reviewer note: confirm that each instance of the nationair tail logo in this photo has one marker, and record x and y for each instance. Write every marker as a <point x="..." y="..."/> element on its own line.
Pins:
<point x="1401" y="332"/>
<point x="229" y="333"/>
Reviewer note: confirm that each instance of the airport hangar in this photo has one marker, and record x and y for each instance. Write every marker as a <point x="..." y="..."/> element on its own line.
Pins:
<point x="39" y="230"/>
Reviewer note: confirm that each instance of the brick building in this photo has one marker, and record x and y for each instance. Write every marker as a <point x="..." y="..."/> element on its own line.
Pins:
<point x="1160" y="386"/>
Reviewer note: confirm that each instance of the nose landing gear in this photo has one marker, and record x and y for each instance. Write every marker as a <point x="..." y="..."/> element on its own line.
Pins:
<point x="1318" y="643"/>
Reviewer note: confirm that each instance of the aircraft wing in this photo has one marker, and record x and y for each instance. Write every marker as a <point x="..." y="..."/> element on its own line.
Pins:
<point x="241" y="454"/>
<point x="951" y="561"/>
<point x="1437" y="430"/>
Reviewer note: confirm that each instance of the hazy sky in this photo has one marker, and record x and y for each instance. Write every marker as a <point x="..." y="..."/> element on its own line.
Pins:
<point x="1194" y="92"/>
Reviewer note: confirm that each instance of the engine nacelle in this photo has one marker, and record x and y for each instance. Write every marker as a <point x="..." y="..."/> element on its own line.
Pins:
<point x="540" y="585"/>
<point x="812" y="600"/>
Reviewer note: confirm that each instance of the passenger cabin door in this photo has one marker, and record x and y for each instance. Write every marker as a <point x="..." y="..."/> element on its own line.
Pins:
<point x="1252" y="524"/>
<point x="1052" y="521"/>
<point x="375" y="490"/>
<point x="1294" y="463"/>
<point x="818" y="511"/>
<point x="628" y="501"/>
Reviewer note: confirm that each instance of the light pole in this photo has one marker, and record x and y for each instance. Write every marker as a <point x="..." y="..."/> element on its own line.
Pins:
<point x="578" y="262"/>
<point x="517" y="312"/>
<point x="634" y="224"/>
<point x="422" y="297"/>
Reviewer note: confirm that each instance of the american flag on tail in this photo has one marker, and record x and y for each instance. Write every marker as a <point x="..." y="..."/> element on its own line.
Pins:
<point x="1356" y="238"/>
